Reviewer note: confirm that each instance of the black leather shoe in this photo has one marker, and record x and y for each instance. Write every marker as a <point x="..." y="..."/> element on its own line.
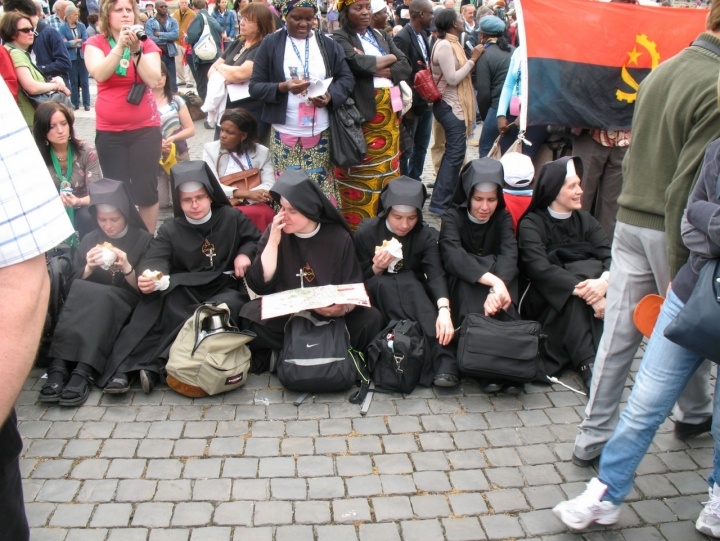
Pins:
<point x="684" y="431"/>
<point x="446" y="380"/>
<point x="119" y="384"/>
<point x="148" y="380"/>
<point x="585" y="373"/>
<point x="513" y="389"/>
<point x="489" y="386"/>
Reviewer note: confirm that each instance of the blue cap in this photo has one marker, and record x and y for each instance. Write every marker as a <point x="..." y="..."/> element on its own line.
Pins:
<point x="490" y="24"/>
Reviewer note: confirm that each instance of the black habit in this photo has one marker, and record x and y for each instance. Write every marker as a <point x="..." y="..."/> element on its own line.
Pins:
<point x="411" y="292"/>
<point x="556" y="255"/>
<point x="326" y="258"/>
<point x="469" y="249"/>
<point x="179" y="251"/>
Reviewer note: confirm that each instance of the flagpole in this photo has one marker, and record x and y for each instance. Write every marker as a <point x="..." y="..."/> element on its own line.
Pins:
<point x="522" y="50"/>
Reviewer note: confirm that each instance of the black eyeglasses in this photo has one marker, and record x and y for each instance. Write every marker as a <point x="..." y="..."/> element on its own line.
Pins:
<point x="27" y="30"/>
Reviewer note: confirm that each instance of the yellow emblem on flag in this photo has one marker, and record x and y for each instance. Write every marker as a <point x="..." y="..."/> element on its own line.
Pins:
<point x="644" y="42"/>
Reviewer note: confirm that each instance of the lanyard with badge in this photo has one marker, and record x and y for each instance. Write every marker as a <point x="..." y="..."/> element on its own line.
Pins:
<point x="306" y="109"/>
<point x="370" y="38"/>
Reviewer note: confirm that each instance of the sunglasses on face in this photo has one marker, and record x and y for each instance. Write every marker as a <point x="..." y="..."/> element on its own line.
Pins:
<point x="26" y="30"/>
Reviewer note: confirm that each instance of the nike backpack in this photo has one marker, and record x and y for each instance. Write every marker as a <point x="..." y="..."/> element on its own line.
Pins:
<point x="316" y="355"/>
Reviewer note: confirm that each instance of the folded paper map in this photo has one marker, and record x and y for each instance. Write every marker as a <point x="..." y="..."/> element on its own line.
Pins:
<point x="308" y="298"/>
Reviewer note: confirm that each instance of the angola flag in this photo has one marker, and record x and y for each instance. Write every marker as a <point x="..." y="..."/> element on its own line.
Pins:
<point x="586" y="59"/>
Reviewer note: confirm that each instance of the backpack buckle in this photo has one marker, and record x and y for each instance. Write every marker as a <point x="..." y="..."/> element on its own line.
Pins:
<point x="398" y="361"/>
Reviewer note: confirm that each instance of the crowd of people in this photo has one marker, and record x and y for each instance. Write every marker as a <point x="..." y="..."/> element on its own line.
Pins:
<point x="574" y="247"/>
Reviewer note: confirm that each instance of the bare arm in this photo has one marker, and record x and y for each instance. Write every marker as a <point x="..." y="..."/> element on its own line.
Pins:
<point x="24" y="289"/>
<point x="188" y="127"/>
<point x="33" y="87"/>
<point x="236" y="74"/>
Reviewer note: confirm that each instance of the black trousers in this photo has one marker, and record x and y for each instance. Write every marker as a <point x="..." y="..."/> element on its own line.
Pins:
<point x="12" y="508"/>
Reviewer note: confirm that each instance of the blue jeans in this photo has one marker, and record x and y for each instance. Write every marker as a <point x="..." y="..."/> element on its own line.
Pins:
<point x="78" y="80"/>
<point x="169" y="62"/>
<point x="455" y="146"/>
<point x="664" y="371"/>
<point x="413" y="162"/>
<point x="489" y="133"/>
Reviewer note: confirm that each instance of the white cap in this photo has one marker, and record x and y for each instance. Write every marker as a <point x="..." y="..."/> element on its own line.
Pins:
<point x="403" y="208"/>
<point x="486" y="187"/>
<point x="103" y="207"/>
<point x="377" y="5"/>
<point x="190" y="186"/>
<point x="570" y="169"/>
<point x="518" y="169"/>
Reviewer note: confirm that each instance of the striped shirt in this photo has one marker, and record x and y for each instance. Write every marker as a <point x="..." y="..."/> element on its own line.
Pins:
<point x="32" y="217"/>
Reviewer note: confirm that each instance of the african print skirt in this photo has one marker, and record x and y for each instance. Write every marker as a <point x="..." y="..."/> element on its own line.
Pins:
<point x="315" y="161"/>
<point x="360" y="185"/>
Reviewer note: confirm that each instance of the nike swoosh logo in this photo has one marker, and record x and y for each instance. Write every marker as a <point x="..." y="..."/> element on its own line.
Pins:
<point x="312" y="345"/>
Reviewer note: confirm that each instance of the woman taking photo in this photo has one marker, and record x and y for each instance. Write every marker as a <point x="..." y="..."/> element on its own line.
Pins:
<point x="236" y="151"/>
<point x="565" y="254"/>
<point x="75" y="34"/>
<point x="285" y="64"/>
<point x="73" y="164"/>
<point x="236" y="63"/>
<point x="177" y="127"/>
<point x="378" y="66"/>
<point x="128" y="132"/>
<point x="103" y="294"/>
<point x="18" y="34"/>
<point x="456" y="110"/>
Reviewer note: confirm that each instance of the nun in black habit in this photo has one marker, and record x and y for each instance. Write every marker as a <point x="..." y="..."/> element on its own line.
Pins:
<point x="417" y="289"/>
<point x="565" y="254"/>
<point x="309" y="236"/>
<point x="478" y="245"/>
<point x="202" y="250"/>
<point x="100" y="299"/>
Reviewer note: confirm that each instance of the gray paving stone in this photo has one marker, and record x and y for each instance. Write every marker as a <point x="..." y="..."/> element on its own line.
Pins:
<point x="467" y="460"/>
<point x="136" y="490"/>
<point x="134" y="430"/>
<point x="655" y="486"/>
<point x="98" y="534"/>
<point x="75" y="515"/>
<point x="89" y="413"/>
<point x="268" y="429"/>
<point x="174" y="490"/>
<point x="277" y="467"/>
<point x="58" y="490"/>
<point x="350" y="466"/>
<point x="365" y="485"/>
<point x="350" y="510"/>
<point x="330" y="445"/>
<point x="433" y="460"/>
<point x="45" y="448"/>
<point x="315" y="466"/>
<point x="211" y="532"/>
<point x="240" y="467"/>
<point x="688" y="482"/>
<point x="501" y="526"/>
<point x="232" y="428"/>
<point x="170" y="468"/>
<point x="272" y="513"/>
<point x="430" y="506"/>
<point x="234" y="514"/>
<point x="336" y="533"/>
<point x="251" y="489"/>
<point x="469" y="421"/>
<point x="543" y="497"/>
<point x="313" y="411"/>
<point x="325" y="488"/>
<point x="422" y="530"/>
<point x="39" y="534"/>
<point x="192" y="514"/>
<point x="124" y="468"/>
<point x="504" y="437"/>
<point x="412" y="407"/>
<point x="262" y="447"/>
<point x="543" y="474"/>
<point x="505" y="501"/>
<point x="401" y="424"/>
<point x="398" y="484"/>
<point x="392" y="508"/>
<point x="390" y="464"/>
<point x="469" y="480"/>
<point x="335" y="427"/>
<point x="431" y="481"/>
<point x="653" y="511"/>
<point x="369" y="425"/>
<point x="288" y="489"/>
<point x="97" y="430"/>
<point x="642" y="534"/>
<point x="38" y="513"/>
<point x="297" y="446"/>
<point x="156" y="515"/>
<point x="202" y="468"/>
<point x="97" y="490"/>
<point x="542" y="522"/>
<point x="312" y="512"/>
<point x="534" y="435"/>
<point x="364" y="444"/>
<point x="63" y="430"/>
<point x="174" y="534"/>
<point x="294" y="533"/>
<point x="686" y="507"/>
<point x="190" y="448"/>
<point x="505" y="477"/>
<point x="253" y="534"/>
<point x="112" y="515"/>
<point x="220" y="413"/>
<point x="250" y="413"/>
<point x="533" y="418"/>
<point x="81" y="448"/>
<point x="155" y="448"/>
<point x="53" y="469"/>
<point x="536" y="454"/>
<point x="502" y="457"/>
<point x="166" y="430"/>
<point x="213" y="490"/>
<point x="437" y="423"/>
<point x="681" y="530"/>
<point x="463" y="529"/>
<point x="375" y="532"/>
<point x="436" y="442"/>
<point x="404" y="443"/>
<point x="302" y="429"/>
<point x="90" y="469"/>
<point x="468" y="504"/>
<point x="34" y="429"/>
<point x="226" y="447"/>
<point x="469" y="440"/>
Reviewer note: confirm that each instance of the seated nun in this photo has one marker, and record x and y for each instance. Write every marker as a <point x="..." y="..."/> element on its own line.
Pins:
<point x="196" y="257"/>
<point x="415" y="287"/>
<point x="309" y="237"/>
<point x="103" y="294"/>
<point x="479" y="250"/>
<point x="565" y="254"/>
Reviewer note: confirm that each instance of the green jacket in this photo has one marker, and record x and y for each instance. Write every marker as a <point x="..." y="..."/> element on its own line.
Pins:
<point x="676" y="116"/>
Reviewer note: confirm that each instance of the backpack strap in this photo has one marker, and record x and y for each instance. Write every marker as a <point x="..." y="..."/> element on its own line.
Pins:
<point x="706" y="45"/>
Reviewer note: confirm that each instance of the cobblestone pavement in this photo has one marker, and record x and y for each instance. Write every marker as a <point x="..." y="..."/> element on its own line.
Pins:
<point x="438" y="464"/>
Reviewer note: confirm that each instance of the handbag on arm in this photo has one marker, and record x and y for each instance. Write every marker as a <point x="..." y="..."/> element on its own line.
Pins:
<point x="246" y="179"/>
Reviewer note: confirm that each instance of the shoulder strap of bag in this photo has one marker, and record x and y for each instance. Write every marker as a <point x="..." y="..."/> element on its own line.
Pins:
<point x="706" y="45"/>
<point x="432" y="55"/>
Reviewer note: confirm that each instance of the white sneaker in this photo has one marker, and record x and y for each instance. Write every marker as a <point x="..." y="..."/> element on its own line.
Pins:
<point x="581" y="512"/>
<point x="709" y="520"/>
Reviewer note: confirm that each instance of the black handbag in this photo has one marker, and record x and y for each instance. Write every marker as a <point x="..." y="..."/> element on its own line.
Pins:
<point x="55" y="95"/>
<point x="491" y="348"/>
<point x="396" y="357"/>
<point x="347" y="142"/>
<point x="697" y="326"/>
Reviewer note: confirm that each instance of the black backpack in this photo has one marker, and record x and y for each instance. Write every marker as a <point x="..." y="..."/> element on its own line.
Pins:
<point x="316" y="356"/>
<point x="397" y="356"/>
<point x="59" y="266"/>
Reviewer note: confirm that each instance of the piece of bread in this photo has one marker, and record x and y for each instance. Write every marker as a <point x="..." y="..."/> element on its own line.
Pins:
<point x="385" y="244"/>
<point x="104" y="245"/>
<point x="154" y="275"/>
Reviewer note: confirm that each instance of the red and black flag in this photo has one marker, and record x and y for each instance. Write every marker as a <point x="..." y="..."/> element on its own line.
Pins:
<point x="586" y="59"/>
